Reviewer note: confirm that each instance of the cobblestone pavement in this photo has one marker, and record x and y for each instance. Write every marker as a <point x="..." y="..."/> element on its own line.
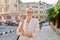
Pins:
<point x="7" y="28"/>
<point x="9" y="36"/>
<point x="47" y="33"/>
<point x="8" y="33"/>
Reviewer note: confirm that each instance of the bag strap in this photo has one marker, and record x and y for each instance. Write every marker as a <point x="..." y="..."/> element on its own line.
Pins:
<point x="18" y="37"/>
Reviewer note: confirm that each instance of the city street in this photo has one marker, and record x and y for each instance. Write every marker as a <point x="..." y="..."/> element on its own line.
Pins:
<point x="25" y="14"/>
<point x="8" y="33"/>
<point x="7" y="28"/>
<point x="46" y="33"/>
<point x="9" y="36"/>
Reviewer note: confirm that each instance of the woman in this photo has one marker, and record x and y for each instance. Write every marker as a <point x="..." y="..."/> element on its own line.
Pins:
<point x="29" y="29"/>
<point x="19" y="18"/>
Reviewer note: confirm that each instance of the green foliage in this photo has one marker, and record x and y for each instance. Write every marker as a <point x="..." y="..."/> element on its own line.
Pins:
<point x="54" y="12"/>
<point x="57" y="10"/>
<point x="50" y="14"/>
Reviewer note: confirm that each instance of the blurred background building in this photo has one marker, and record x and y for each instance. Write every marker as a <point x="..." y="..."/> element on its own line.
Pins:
<point x="9" y="8"/>
<point x="39" y="9"/>
<point x="12" y="7"/>
<point x="2" y="9"/>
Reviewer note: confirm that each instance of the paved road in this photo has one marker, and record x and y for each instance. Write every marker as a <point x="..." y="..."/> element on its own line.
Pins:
<point x="47" y="33"/>
<point x="11" y="33"/>
<point x="9" y="36"/>
<point x="7" y="28"/>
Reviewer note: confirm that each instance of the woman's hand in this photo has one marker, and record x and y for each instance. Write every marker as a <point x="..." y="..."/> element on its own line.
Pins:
<point x="21" y="19"/>
<point x="28" y="35"/>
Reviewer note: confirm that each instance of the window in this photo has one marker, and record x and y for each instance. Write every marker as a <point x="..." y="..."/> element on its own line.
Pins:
<point x="19" y="1"/>
<point x="44" y="11"/>
<point x="41" y="11"/>
<point x="36" y="16"/>
<point x="35" y="11"/>
<point x="15" y="7"/>
<point x="27" y="6"/>
<point x="41" y="7"/>
<point x="7" y="8"/>
<point x="34" y="6"/>
<point x="40" y="3"/>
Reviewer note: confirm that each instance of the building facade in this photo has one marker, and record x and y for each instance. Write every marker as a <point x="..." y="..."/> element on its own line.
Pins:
<point x="2" y="6"/>
<point x="12" y="6"/>
<point x="2" y="9"/>
<point x="9" y="9"/>
<point x="39" y="8"/>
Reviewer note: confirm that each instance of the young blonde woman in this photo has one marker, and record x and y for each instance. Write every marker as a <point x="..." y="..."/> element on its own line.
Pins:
<point x="28" y="29"/>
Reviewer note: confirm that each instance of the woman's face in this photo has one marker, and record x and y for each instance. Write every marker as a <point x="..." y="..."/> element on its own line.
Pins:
<point x="29" y="13"/>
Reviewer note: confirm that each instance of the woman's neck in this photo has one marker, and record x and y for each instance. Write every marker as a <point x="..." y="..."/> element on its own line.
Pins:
<point x="28" y="19"/>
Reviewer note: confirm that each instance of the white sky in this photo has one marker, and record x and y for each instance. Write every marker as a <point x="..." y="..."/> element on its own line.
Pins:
<point x="48" y="1"/>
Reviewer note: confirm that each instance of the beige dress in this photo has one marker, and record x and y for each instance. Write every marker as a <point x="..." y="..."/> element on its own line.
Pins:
<point x="32" y="27"/>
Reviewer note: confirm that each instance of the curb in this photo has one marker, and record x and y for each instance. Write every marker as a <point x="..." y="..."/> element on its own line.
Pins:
<point x="2" y="33"/>
<point x="55" y="29"/>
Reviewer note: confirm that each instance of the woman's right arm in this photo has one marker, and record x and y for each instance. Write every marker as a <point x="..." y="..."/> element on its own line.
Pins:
<point x="20" y="29"/>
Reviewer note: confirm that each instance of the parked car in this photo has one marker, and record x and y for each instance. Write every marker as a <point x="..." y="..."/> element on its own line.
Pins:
<point x="12" y="22"/>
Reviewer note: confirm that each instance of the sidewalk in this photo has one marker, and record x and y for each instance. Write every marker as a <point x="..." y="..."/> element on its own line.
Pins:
<point x="47" y="33"/>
